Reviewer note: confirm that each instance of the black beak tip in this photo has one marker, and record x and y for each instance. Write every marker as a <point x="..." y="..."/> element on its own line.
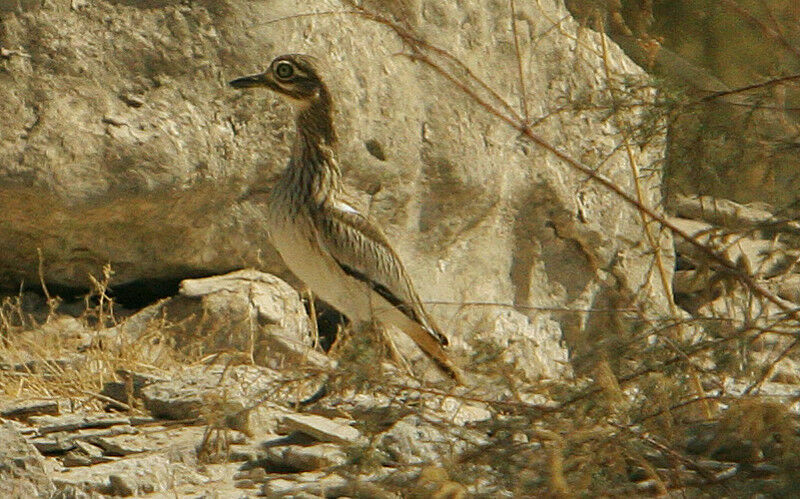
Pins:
<point x="250" y="81"/>
<point x="237" y="83"/>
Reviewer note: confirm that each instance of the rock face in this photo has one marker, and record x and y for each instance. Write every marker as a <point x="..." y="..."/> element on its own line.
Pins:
<point x="121" y="143"/>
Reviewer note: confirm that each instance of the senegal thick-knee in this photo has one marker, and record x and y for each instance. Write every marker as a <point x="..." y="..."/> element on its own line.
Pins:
<point x="340" y="254"/>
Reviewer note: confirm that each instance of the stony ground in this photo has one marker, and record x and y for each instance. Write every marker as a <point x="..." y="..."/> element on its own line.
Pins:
<point x="58" y="448"/>
<point x="219" y="391"/>
<point x="134" y="408"/>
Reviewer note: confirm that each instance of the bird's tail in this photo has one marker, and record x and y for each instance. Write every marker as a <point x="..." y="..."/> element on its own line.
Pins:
<point x="427" y="340"/>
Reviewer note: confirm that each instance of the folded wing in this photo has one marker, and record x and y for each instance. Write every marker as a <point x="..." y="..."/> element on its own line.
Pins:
<point x="363" y="252"/>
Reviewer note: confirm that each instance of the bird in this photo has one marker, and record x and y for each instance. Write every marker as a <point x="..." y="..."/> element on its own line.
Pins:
<point x="338" y="252"/>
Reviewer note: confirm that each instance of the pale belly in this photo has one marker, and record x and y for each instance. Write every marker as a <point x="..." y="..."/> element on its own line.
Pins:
<point x="302" y="255"/>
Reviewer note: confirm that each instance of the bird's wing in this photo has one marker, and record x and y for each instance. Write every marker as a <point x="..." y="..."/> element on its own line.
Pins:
<point x="363" y="252"/>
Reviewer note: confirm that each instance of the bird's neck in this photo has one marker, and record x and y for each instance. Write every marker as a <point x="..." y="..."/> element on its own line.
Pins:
<point x="315" y="119"/>
<point x="315" y="171"/>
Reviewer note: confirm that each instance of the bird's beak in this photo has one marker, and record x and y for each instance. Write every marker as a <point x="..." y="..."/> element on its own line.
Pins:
<point x="256" y="80"/>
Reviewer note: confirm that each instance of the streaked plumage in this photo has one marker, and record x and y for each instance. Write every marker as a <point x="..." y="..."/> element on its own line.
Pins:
<point x="329" y="245"/>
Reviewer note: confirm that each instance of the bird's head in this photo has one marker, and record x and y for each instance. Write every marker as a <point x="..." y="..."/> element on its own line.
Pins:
<point x="293" y="76"/>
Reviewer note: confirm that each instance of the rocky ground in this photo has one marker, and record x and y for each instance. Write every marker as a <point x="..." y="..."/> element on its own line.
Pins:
<point x="211" y="440"/>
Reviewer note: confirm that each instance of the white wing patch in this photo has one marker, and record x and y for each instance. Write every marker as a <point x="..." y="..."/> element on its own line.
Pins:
<point x="342" y="206"/>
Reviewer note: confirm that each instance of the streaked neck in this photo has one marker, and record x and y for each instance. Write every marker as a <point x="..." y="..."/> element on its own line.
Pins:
<point x="313" y="170"/>
<point x="315" y="119"/>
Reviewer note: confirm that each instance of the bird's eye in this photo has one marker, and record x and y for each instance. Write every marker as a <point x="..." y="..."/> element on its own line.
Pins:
<point x="284" y="70"/>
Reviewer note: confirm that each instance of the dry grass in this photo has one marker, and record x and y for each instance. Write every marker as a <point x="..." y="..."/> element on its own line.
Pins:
<point x="64" y="357"/>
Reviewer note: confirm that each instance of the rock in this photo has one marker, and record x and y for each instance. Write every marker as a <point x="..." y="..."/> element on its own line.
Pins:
<point x="130" y="388"/>
<point x="22" y="470"/>
<point x="72" y="422"/>
<point x="84" y="454"/>
<point x="455" y="411"/>
<point x="737" y="306"/>
<point x="789" y="288"/>
<point x="375" y="406"/>
<point x="248" y="453"/>
<point x="119" y="485"/>
<point x="312" y="482"/>
<point x="306" y="458"/>
<point x="726" y="213"/>
<point x="78" y="4"/>
<point x="45" y="366"/>
<point x="383" y="409"/>
<point x="121" y="445"/>
<point x="166" y="186"/>
<point x="320" y="428"/>
<point x="57" y="444"/>
<point x="133" y="330"/>
<point x="75" y="445"/>
<point x="533" y="346"/>
<point x="132" y="476"/>
<point x="757" y="257"/>
<point x="234" y="397"/>
<point x="314" y="457"/>
<point x="47" y="348"/>
<point x="23" y="409"/>
<point x="251" y="312"/>
<point x="413" y="441"/>
<point x="63" y="327"/>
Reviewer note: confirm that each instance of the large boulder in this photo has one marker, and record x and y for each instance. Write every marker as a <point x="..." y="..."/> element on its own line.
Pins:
<point x="121" y="143"/>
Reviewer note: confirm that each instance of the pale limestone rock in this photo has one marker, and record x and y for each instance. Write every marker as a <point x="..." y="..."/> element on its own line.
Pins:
<point x="252" y="312"/>
<point x="727" y="213"/>
<point x="531" y="344"/>
<point x="757" y="257"/>
<point x="236" y="397"/>
<point x="22" y="469"/>
<point x="84" y="454"/>
<point x="245" y="313"/>
<point x="311" y="482"/>
<point x="75" y="421"/>
<point x="456" y="411"/>
<point x="320" y="428"/>
<point x="23" y="409"/>
<point x="126" y="477"/>
<point x="121" y="445"/>
<point x="307" y="457"/>
<point x="414" y="441"/>
<point x="788" y="288"/>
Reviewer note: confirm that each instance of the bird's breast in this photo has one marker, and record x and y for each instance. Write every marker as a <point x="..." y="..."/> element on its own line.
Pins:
<point x="294" y="235"/>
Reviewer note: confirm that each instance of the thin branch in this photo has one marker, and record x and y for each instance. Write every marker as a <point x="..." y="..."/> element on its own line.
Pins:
<point x="768" y="370"/>
<point x="686" y="461"/>
<point x="769" y="83"/>
<point x="653" y="241"/>
<point x="416" y="43"/>
<point x="522" y="91"/>
<point x="771" y="17"/>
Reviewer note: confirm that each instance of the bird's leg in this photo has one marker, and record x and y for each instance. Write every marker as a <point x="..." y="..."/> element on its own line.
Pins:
<point x="340" y="340"/>
<point x="312" y="312"/>
<point x="394" y="352"/>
